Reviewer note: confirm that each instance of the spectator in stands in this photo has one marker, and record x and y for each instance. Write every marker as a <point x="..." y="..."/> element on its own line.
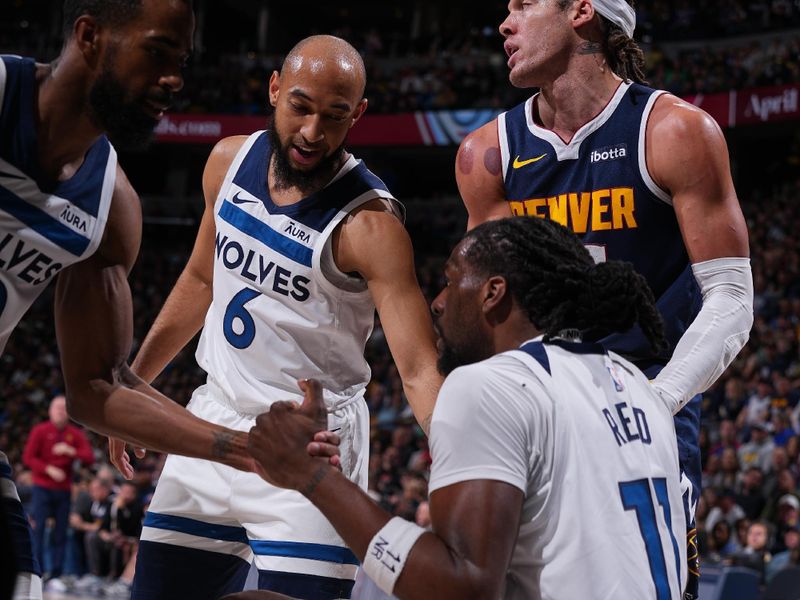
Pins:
<point x="786" y="558"/>
<point x="109" y="548"/>
<point x="725" y="510"/>
<point x="788" y="519"/>
<point x="758" y="451"/>
<point x="751" y="495"/>
<point x="721" y="544"/>
<point x="89" y="511"/>
<point x="786" y="485"/>
<point x="727" y="435"/>
<point x="52" y="449"/>
<point x="756" y="554"/>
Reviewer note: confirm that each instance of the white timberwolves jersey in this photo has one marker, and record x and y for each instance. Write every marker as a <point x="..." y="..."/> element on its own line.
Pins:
<point x="42" y="231"/>
<point x="593" y="450"/>
<point x="275" y="317"/>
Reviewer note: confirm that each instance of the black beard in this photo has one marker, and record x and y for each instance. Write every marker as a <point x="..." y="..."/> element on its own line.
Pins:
<point x="286" y="176"/>
<point x="450" y="358"/>
<point x="125" y="121"/>
<point x="448" y="361"/>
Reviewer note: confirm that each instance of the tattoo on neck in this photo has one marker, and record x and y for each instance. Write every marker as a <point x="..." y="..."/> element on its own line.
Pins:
<point x="223" y="444"/>
<point x="590" y="48"/>
<point x="316" y="478"/>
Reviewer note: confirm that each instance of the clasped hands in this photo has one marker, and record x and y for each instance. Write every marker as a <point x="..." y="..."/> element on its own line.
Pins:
<point x="291" y="445"/>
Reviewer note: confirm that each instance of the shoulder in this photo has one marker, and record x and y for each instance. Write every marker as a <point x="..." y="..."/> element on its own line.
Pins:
<point x="673" y="119"/>
<point x="218" y="163"/>
<point x="123" y="231"/>
<point x="480" y="147"/>
<point x="499" y="379"/>
<point x="225" y="150"/>
<point x="372" y="225"/>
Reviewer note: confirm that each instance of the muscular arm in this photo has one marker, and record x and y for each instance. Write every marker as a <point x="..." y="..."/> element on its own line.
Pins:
<point x="687" y="157"/>
<point x="479" y="176"/>
<point x="94" y="325"/>
<point x="404" y="313"/>
<point x="465" y="556"/>
<point x="475" y="522"/>
<point x="184" y="311"/>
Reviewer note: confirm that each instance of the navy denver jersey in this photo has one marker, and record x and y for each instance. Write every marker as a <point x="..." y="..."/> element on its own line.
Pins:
<point x="598" y="186"/>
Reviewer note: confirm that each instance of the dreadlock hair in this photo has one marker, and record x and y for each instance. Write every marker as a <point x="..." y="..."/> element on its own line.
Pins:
<point x="552" y="276"/>
<point x="106" y="12"/>
<point x="623" y="54"/>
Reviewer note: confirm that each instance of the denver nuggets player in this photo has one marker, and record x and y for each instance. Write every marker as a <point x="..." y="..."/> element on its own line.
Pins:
<point x="569" y="485"/>
<point x="68" y="212"/>
<point x="299" y="244"/>
<point x="640" y="175"/>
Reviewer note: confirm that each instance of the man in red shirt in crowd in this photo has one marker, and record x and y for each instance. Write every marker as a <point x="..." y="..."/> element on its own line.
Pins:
<point x="50" y="452"/>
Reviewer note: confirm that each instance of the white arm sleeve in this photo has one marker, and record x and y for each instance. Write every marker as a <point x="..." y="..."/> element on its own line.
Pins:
<point x="481" y="427"/>
<point x="717" y="334"/>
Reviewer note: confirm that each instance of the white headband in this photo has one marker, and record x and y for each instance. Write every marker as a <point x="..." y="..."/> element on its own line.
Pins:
<point x="618" y="12"/>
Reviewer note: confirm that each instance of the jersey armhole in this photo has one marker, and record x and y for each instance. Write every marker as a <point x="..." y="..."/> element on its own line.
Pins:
<point x="322" y="261"/>
<point x="502" y="138"/>
<point x="233" y="168"/>
<point x="644" y="172"/>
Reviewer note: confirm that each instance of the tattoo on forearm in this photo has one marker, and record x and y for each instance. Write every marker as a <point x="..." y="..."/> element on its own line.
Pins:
<point x="318" y="476"/>
<point x="223" y="444"/>
<point x="590" y="48"/>
<point x="492" y="161"/>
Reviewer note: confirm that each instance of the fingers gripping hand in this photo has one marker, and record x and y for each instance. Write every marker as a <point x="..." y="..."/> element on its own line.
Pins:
<point x="119" y="457"/>
<point x="279" y="442"/>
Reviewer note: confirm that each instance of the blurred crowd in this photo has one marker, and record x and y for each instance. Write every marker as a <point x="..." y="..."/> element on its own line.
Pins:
<point x="467" y="68"/>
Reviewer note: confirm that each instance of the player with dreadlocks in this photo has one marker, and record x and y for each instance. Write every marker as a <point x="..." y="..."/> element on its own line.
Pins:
<point x="641" y="176"/>
<point x="549" y="454"/>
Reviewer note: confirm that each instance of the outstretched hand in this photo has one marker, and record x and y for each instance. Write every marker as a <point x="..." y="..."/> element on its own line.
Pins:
<point x="119" y="456"/>
<point x="290" y="443"/>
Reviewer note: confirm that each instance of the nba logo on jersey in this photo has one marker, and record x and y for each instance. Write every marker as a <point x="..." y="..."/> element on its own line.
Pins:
<point x="615" y="376"/>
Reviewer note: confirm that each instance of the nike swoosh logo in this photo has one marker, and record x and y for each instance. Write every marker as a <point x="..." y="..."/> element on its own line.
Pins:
<point x="237" y="200"/>
<point x="521" y="163"/>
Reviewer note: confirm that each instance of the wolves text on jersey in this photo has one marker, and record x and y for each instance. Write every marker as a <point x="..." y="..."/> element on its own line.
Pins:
<point x="26" y="261"/>
<point x="258" y="269"/>
<point x="609" y="208"/>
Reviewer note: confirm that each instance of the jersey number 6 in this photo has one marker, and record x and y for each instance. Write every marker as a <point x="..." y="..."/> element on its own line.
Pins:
<point x="237" y="311"/>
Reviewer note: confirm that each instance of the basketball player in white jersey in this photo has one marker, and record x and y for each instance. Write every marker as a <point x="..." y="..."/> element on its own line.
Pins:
<point x="555" y="465"/>
<point x="299" y="244"/>
<point x="68" y="212"/>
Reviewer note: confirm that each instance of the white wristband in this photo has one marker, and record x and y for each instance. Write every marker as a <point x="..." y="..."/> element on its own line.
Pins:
<point x="388" y="551"/>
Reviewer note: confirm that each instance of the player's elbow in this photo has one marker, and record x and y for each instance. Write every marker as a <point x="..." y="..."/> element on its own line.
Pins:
<point x="79" y="407"/>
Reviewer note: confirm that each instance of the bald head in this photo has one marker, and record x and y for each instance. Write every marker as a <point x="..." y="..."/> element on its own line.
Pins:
<point x="58" y="412"/>
<point x="329" y="57"/>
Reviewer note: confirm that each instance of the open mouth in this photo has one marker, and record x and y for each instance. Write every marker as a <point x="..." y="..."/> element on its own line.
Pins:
<point x="304" y="156"/>
<point x="510" y="52"/>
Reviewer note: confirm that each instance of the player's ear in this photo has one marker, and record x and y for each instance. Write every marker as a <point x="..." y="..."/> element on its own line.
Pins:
<point x="86" y="35"/>
<point x="495" y="296"/>
<point x="582" y="13"/>
<point x="360" y="109"/>
<point x="274" y="88"/>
